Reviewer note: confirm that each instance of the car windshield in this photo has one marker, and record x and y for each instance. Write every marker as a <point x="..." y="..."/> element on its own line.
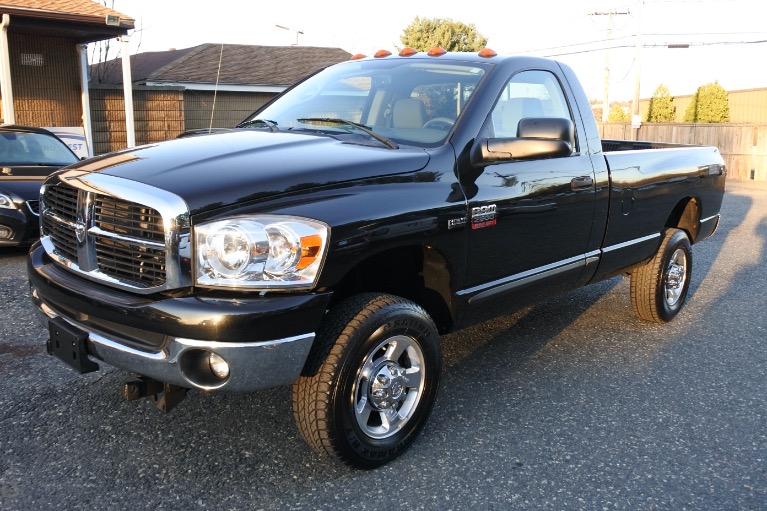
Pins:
<point x="413" y="102"/>
<point x="20" y="148"/>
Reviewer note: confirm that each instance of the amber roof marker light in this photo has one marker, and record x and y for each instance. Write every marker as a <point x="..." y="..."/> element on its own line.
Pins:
<point x="407" y="52"/>
<point x="436" y="51"/>
<point x="487" y="53"/>
<point x="358" y="56"/>
<point x="381" y="54"/>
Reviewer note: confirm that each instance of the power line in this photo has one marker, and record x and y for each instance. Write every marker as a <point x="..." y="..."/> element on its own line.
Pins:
<point x="647" y="45"/>
<point x="622" y="38"/>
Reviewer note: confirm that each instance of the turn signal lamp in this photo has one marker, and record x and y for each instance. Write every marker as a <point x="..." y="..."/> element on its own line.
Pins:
<point x="311" y="247"/>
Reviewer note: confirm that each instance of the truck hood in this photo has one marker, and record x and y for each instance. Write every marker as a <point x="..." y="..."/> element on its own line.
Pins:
<point x="209" y="171"/>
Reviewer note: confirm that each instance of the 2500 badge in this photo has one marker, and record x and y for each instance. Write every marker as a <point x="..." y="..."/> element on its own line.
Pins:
<point x="483" y="216"/>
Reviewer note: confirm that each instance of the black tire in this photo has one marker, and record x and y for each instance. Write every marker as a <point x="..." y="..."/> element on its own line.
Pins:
<point x="659" y="287"/>
<point x="376" y="358"/>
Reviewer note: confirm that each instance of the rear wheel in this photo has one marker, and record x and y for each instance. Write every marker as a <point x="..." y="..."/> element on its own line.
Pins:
<point x="659" y="287"/>
<point x="371" y="381"/>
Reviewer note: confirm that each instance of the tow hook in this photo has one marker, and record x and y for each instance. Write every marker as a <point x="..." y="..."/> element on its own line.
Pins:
<point x="166" y="395"/>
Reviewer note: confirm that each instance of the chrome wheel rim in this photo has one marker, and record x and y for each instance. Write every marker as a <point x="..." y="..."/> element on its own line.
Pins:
<point x="676" y="277"/>
<point x="389" y="386"/>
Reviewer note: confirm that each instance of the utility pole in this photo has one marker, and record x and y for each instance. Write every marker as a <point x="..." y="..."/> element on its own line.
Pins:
<point x="606" y="96"/>
<point x="636" y="119"/>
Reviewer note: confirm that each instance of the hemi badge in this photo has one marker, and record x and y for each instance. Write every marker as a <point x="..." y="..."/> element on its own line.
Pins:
<point x="455" y="223"/>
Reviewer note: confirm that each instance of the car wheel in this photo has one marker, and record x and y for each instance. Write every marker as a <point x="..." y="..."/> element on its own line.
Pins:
<point x="370" y="382"/>
<point x="659" y="287"/>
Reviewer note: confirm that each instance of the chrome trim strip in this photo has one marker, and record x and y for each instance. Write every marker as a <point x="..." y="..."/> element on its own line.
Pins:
<point x="505" y="284"/>
<point x="56" y="218"/>
<point x="714" y="217"/>
<point x="526" y="280"/>
<point x="522" y="275"/>
<point x="593" y="254"/>
<point x="96" y="338"/>
<point x="128" y="239"/>
<point x="31" y="210"/>
<point x="631" y="242"/>
<point x="86" y="245"/>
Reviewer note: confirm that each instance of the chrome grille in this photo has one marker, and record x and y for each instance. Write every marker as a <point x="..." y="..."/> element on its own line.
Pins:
<point x="63" y="201"/>
<point x="128" y="219"/>
<point x="127" y="257"/>
<point x="123" y="242"/>
<point x="131" y="262"/>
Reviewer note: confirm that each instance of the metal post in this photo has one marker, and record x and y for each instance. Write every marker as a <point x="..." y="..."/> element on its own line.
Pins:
<point x="6" y="84"/>
<point x="85" y="98"/>
<point x="130" y="125"/>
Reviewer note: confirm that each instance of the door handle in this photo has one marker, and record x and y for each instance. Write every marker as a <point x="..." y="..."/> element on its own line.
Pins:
<point x="581" y="183"/>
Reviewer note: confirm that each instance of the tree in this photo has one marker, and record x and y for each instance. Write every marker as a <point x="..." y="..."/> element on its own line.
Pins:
<point x="424" y="33"/>
<point x="708" y="104"/>
<point x="618" y="114"/>
<point x="661" y="107"/>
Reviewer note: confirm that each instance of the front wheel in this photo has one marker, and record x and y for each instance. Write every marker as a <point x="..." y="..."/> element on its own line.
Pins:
<point x="370" y="382"/>
<point x="659" y="287"/>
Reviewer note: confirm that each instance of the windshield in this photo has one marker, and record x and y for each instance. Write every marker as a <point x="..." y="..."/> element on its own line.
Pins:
<point x="33" y="149"/>
<point x="414" y="102"/>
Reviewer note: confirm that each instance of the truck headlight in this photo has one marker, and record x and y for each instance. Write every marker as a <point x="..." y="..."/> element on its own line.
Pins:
<point x="260" y="252"/>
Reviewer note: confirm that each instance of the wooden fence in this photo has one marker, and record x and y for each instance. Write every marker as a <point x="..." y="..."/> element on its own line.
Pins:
<point x="743" y="146"/>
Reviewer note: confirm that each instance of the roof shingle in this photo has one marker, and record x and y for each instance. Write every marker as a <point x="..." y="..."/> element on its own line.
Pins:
<point x="67" y="7"/>
<point x="240" y="65"/>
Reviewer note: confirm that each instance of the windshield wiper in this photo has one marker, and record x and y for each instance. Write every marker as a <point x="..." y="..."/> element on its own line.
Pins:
<point x="269" y="124"/>
<point x="388" y="143"/>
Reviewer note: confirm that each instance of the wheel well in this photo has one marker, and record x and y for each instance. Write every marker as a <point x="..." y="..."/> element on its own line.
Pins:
<point x="686" y="216"/>
<point x="419" y="274"/>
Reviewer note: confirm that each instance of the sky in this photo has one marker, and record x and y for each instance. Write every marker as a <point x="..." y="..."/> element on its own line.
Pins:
<point x="722" y="35"/>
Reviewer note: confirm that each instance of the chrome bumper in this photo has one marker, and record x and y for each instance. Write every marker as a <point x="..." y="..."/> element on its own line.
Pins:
<point x="182" y="361"/>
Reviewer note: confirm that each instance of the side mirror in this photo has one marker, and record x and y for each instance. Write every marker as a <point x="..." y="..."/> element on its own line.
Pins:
<point x="537" y="138"/>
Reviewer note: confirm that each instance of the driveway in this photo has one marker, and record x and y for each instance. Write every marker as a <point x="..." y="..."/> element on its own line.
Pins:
<point x="569" y="404"/>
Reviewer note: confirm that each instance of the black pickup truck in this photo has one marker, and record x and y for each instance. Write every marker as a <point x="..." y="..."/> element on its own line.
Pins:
<point x="331" y="238"/>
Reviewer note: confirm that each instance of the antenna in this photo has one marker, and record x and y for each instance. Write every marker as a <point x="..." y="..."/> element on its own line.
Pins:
<point x="298" y="32"/>
<point x="215" y="88"/>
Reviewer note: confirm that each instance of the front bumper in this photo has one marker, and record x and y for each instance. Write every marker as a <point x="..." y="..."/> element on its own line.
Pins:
<point x="265" y="340"/>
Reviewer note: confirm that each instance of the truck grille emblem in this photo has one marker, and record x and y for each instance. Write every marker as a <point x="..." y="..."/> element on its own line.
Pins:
<point x="80" y="229"/>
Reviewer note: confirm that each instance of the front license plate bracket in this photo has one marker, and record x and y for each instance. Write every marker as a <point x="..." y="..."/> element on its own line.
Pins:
<point x="68" y="343"/>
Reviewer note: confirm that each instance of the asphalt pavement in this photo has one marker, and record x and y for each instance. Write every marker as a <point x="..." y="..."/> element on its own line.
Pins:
<point x="569" y="404"/>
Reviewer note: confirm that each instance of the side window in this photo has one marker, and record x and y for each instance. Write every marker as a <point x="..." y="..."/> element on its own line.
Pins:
<point x="528" y="94"/>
